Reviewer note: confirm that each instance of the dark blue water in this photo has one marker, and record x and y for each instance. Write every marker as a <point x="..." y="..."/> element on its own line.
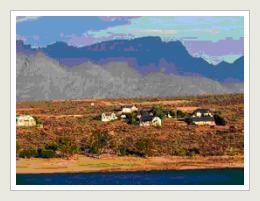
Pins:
<point x="232" y="176"/>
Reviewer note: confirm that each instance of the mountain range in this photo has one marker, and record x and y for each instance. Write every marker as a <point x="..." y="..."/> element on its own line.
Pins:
<point x="39" y="77"/>
<point x="144" y="55"/>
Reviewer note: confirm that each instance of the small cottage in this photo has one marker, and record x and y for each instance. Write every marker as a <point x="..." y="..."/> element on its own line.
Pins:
<point x="202" y="117"/>
<point x="146" y="118"/>
<point x="123" y="116"/>
<point x="105" y="117"/>
<point x="25" y="120"/>
<point x="169" y="115"/>
<point x="126" y="109"/>
<point x="150" y="121"/>
<point x="147" y="111"/>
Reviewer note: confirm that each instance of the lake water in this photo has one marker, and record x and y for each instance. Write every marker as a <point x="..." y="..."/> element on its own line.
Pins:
<point x="230" y="176"/>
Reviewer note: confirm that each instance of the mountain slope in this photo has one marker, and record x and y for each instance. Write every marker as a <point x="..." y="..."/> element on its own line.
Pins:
<point x="145" y="55"/>
<point x="39" y="77"/>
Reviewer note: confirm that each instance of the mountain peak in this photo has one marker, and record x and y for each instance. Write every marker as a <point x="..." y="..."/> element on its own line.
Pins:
<point x="144" y="54"/>
<point x="148" y="38"/>
<point x="58" y="44"/>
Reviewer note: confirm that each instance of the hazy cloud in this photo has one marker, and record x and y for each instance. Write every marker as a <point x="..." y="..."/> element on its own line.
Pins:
<point x="20" y="37"/>
<point x="20" y="19"/>
<point x="156" y="31"/>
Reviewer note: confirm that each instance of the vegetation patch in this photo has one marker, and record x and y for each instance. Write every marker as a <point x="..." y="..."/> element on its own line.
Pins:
<point x="69" y="135"/>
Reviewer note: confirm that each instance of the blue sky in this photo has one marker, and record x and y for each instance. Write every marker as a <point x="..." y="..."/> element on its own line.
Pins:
<point x="47" y="30"/>
<point x="213" y="38"/>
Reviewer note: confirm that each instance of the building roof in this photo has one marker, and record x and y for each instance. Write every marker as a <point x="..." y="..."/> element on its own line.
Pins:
<point x="25" y="117"/>
<point x="108" y="113"/>
<point x="208" y="118"/>
<point x="201" y="110"/>
<point x="146" y="109"/>
<point x="127" y="106"/>
<point x="146" y="113"/>
<point x="145" y="118"/>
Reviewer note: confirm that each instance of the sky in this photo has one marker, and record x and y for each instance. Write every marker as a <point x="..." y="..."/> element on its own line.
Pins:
<point x="216" y="39"/>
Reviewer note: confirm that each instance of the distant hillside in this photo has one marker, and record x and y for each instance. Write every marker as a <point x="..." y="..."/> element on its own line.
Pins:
<point x="145" y="55"/>
<point x="41" y="78"/>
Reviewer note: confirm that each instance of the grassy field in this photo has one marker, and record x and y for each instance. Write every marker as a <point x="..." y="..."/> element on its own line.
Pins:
<point x="71" y="127"/>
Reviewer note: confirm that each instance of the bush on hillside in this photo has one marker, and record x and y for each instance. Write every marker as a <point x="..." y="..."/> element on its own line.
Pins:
<point x="46" y="153"/>
<point x="143" y="146"/>
<point x="37" y="120"/>
<point x="67" y="147"/>
<point x="132" y="118"/>
<point x="98" y="141"/>
<point x="179" y="113"/>
<point x="219" y="120"/>
<point x="29" y="153"/>
<point x="158" y="112"/>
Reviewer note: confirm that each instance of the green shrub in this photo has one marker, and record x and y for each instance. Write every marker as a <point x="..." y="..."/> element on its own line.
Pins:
<point x="53" y="146"/>
<point x="193" y="151"/>
<point x="38" y="121"/>
<point x="186" y="152"/>
<point x="172" y="113"/>
<point x="67" y="147"/>
<point x="188" y="120"/>
<point x="29" y="153"/>
<point x="180" y="152"/>
<point x="74" y="149"/>
<point x="218" y="112"/>
<point x="219" y="120"/>
<point x="122" y="151"/>
<point x="46" y="153"/>
<point x="18" y="148"/>
<point x="180" y="114"/>
<point x="98" y="141"/>
<point x="132" y="118"/>
<point x="144" y="146"/>
<point x="98" y="118"/>
<point x="158" y="111"/>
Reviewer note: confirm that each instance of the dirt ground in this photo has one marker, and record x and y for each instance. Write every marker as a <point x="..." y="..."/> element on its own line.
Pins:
<point x="112" y="163"/>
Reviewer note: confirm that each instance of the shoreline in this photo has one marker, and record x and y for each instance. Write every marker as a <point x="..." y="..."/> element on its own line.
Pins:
<point x="83" y="164"/>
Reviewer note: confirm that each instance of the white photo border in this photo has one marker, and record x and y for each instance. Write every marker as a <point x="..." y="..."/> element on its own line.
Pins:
<point x="244" y="13"/>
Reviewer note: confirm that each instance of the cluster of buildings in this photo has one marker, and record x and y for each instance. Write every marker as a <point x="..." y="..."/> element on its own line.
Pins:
<point x="147" y="117"/>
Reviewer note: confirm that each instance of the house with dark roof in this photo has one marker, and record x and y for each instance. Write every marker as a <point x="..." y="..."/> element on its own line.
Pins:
<point x="147" y="111"/>
<point x="202" y="117"/>
<point x="146" y="118"/>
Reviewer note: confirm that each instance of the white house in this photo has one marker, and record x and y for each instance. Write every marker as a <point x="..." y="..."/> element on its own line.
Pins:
<point x="169" y="115"/>
<point x="156" y="122"/>
<point x="25" y="120"/>
<point x="150" y="121"/>
<point x="123" y="116"/>
<point x="108" y="117"/>
<point x="126" y="109"/>
<point x="202" y="117"/>
<point x="202" y="113"/>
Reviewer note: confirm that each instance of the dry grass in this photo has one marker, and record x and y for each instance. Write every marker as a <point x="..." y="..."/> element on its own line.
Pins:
<point x="74" y="119"/>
